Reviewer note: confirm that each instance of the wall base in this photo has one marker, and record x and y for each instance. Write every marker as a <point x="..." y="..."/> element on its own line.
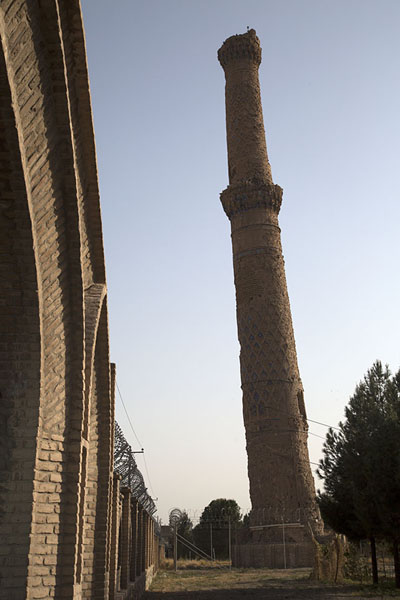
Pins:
<point x="265" y="548"/>
<point x="271" y="556"/>
<point x="137" y="588"/>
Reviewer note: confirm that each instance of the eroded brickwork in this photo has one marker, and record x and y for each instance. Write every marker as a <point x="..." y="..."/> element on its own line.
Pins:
<point x="61" y="517"/>
<point x="281" y="484"/>
<point x="57" y="414"/>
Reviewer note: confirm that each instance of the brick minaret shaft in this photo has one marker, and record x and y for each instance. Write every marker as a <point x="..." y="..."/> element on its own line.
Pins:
<point x="273" y="407"/>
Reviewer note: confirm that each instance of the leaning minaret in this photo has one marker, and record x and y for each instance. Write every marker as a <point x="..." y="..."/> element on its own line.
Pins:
<point x="281" y="484"/>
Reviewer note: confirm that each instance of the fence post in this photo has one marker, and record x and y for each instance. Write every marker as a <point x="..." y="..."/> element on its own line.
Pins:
<point x="175" y="547"/>
<point x="230" y="543"/>
<point x="284" y="544"/>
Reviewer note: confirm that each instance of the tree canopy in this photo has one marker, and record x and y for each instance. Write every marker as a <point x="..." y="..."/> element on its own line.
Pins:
<point x="221" y="511"/>
<point x="212" y="532"/>
<point x="185" y="529"/>
<point x="361" y="465"/>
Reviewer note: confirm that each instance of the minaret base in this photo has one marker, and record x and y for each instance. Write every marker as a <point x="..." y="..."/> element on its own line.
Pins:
<point x="274" y="547"/>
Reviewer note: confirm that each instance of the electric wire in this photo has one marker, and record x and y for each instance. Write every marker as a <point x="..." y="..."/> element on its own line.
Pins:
<point x="310" y="420"/>
<point x="274" y="408"/>
<point x="137" y="439"/>
<point x="148" y="476"/>
<point x="321" y="437"/>
<point x="324" y="424"/>
<point x="127" y="415"/>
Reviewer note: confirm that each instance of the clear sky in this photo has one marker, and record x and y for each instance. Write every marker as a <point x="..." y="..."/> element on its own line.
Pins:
<point x="330" y="88"/>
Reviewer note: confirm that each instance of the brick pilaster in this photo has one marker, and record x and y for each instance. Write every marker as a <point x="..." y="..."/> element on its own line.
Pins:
<point x="114" y="536"/>
<point x="126" y="537"/>
<point x="134" y="524"/>
<point x="139" y="542"/>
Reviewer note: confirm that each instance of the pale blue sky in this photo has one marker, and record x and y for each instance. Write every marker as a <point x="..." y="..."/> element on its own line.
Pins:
<point x="331" y="94"/>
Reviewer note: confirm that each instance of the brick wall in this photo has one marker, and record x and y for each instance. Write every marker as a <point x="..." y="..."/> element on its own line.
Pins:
<point x="20" y="357"/>
<point x="64" y="529"/>
<point x="56" y="395"/>
<point x="139" y="548"/>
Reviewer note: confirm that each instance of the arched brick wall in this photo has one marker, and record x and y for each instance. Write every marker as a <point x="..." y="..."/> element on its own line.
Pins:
<point x="57" y="404"/>
<point x="19" y="350"/>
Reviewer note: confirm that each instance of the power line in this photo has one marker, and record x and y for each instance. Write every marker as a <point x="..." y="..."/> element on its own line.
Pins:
<point x="324" y="424"/>
<point x="311" y="420"/>
<point x="273" y="408"/>
<point x="126" y="412"/>
<point x="296" y="430"/>
<point x="148" y="476"/>
<point x="321" y="437"/>
<point x="137" y="439"/>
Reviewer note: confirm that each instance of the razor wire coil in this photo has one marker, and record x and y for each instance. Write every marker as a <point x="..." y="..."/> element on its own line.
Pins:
<point x="131" y="477"/>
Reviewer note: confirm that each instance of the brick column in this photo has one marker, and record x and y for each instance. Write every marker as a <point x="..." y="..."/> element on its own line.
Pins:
<point x="145" y="540"/>
<point x="143" y="547"/>
<point x="154" y="538"/>
<point x="153" y="544"/>
<point x="134" y="523"/>
<point x="126" y="535"/>
<point x="150" y="543"/>
<point x="139" y="542"/>
<point x="151" y="553"/>
<point x="114" y="536"/>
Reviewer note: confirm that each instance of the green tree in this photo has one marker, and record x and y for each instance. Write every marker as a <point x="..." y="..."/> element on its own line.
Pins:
<point x="212" y="532"/>
<point x="338" y="503"/>
<point x="185" y="529"/>
<point x="221" y="511"/>
<point x="361" y="465"/>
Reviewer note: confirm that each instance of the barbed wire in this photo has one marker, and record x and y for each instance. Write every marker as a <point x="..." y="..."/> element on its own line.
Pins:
<point x="125" y="465"/>
<point x="137" y="439"/>
<point x="267" y="516"/>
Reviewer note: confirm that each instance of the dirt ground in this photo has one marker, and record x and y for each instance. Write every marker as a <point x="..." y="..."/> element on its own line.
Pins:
<point x="255" y="584"/>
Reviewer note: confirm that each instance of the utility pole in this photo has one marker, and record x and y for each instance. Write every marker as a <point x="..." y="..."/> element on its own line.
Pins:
<point x="211" y="542"/>
<point x="284" y="544"/>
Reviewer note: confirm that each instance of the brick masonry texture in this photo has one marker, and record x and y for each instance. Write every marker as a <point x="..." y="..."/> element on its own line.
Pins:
<point x="60" y="511"/>
<point x="281" y="484"/>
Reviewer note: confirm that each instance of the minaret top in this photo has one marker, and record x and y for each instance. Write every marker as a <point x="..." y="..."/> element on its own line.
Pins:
<point x="239" y="47"/>
<point x="240" y="56"/>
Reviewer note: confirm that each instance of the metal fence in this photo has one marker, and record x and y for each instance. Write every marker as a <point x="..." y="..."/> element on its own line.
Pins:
<point x="358" y="561"/>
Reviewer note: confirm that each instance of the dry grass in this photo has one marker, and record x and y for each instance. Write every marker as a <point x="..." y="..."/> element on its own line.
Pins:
<point x="213" y="578"/>
<point x="168" y="564"/>
<point x="220" y="583"/>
